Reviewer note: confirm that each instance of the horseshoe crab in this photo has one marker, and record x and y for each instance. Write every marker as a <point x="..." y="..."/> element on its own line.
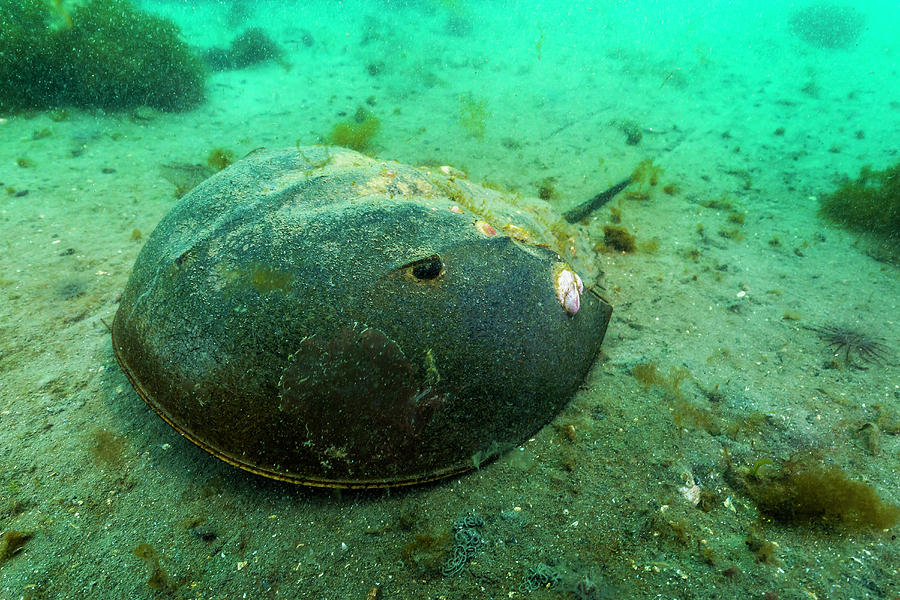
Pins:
<point x="317" y="316"/>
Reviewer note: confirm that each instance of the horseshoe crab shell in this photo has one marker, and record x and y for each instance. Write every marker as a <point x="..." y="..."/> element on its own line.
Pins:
<point x="320" y="317"/>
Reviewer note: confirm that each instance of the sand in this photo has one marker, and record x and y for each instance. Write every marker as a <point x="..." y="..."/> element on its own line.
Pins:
<point x="733" y="270"/>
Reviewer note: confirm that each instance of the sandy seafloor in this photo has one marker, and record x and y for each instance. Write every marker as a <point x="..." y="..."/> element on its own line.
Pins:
<point x="92" y="473"/>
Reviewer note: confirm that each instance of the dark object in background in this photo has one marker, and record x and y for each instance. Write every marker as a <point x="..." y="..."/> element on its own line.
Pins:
<point x="459" y="25"/>
<point x="827" y="25"/>
<point x="586" y="208"/>
<point x="239" y="12"/>
<point x="107" y="54"/>
<point x="316" y="316"/>
<point x="632" y="131"/>
<point x="252" y="47"/>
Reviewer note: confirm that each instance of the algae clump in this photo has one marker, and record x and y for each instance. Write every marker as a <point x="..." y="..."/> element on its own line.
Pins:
<point x="618" y="239"/>
<point x="356" y="133"/>
<point x="869" y="204"/>
<point x="106" y="54"/>
<point x="473" y="115"/>
<point x="252" y="47"/>
<point x="805" y="490"/>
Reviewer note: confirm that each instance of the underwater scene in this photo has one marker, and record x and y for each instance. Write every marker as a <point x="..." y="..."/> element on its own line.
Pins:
<point x="449" y="299"/>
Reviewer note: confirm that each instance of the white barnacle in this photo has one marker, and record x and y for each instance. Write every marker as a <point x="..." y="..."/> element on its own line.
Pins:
<point x="569" y="288"/>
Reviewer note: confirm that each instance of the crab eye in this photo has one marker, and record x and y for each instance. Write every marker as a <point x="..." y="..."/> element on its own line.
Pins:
<point x="426" y="268"/>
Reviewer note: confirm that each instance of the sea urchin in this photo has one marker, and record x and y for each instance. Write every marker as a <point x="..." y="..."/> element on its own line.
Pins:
<point x="849" y="345"/>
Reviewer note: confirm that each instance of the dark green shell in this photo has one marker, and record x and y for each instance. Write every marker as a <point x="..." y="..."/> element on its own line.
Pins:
<point x="320" y="317"/>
